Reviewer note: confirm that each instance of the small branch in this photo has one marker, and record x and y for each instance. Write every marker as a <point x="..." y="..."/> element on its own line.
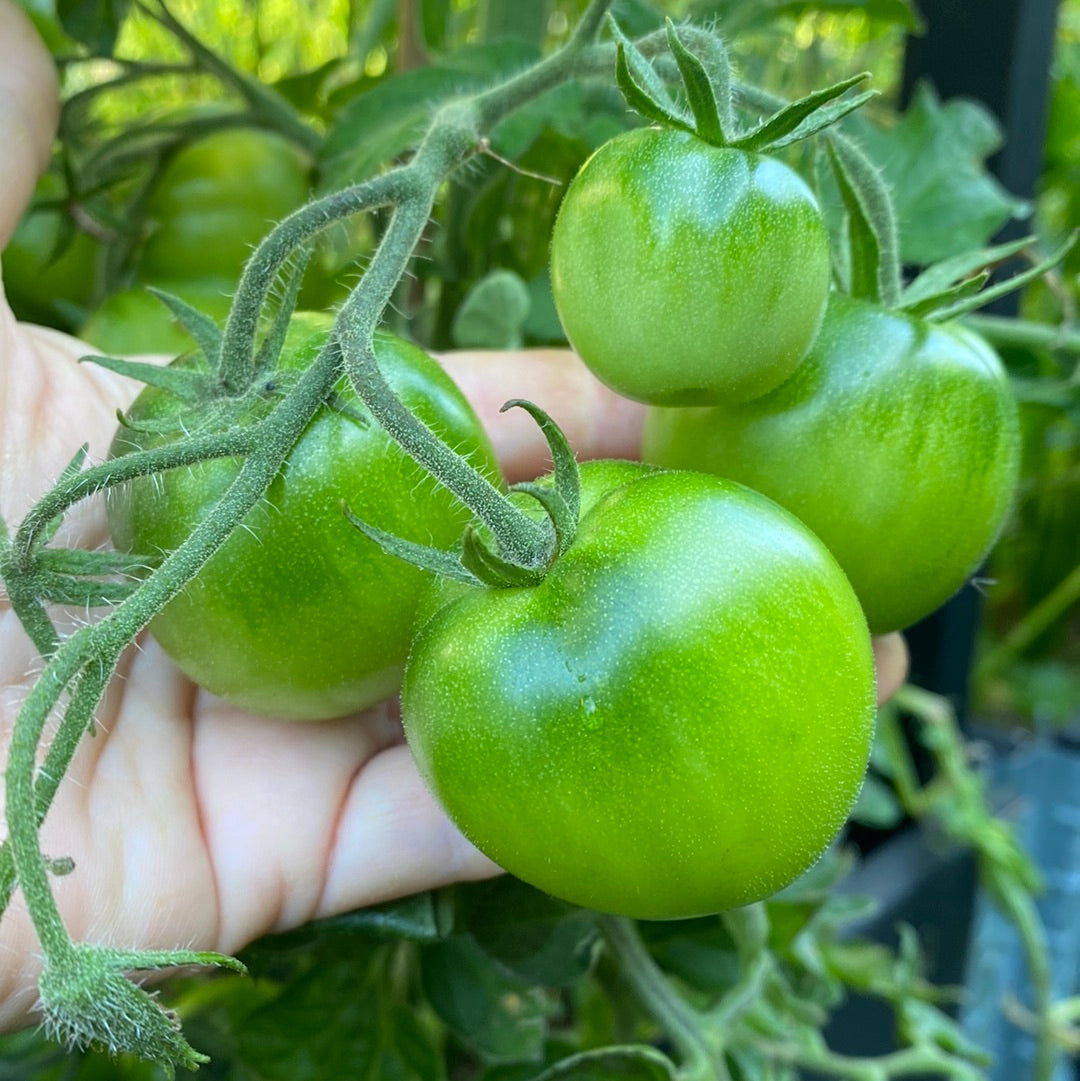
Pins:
<point x="1024" y="333"/>
<point x="1052" y="607"/>
<point x="701" y="1060"/>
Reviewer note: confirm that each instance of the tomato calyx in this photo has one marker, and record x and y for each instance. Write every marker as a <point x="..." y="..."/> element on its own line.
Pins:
<point x="483" y="559"/>
<point x="705" y="72"/>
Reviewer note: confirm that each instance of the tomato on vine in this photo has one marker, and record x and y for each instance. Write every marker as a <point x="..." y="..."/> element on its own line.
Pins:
<point x="296" y="616"/>
<point x="676" y="720"/>
<point x="686" y="273"/>
<point x="689" y="266"/>
<point x="896" y="441"/>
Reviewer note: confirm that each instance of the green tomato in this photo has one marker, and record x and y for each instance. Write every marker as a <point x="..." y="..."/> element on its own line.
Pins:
<point x="216" y="199"/>
<point x="685" y="273"/>
<point x="298" y="615"/>
<point x="675" y="721"/>
<point x="896" y="441"/>
<point x="44" y="285"/>
<point x="135" y="321"/>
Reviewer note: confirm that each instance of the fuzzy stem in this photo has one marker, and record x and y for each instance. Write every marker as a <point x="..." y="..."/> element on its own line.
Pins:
<point x="1054" y="605"/>
<point x="679" y="1021"/>
<point x="71" y="490"/>
<point x="92" y="652"/>
<point x="1024" y="333"/>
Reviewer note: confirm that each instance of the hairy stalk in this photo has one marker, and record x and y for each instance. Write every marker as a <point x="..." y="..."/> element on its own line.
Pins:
<point x="69" y="491"/>
<point x="93" y="652"/>
<point x="702" y="1058"/>
<point x="1024" y="334"/>
<point x="1048" y="611"/>
<point x="523" y="540"/>
<point x="81" y="666"/>
<point x="279" y="246"/>
<point x="455" y="135"/>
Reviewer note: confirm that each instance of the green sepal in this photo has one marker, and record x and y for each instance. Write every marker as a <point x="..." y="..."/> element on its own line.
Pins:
<point x="434" y="560"/>
<point x="969" y="287"/>
<point x="199" y="325"/>
<point x="642" y="88"/>
<point x="805" y="117"/>
<point x="491" y="569"/>
<point x="563" y="519"/>
<point x="871" y="224"/>
<point x="1017" y="281"/>
<point x="72" y="469"/>
<point x="565" y="473"/>
<point x="700" y="92"/>
<point x="159" y="427"/>
<point x="73" y="576"/>
<point x="186" y="384"/>
<point x="272" y="344"/>
<point x="88" y="1001"/>
<point x="941" y="277"/>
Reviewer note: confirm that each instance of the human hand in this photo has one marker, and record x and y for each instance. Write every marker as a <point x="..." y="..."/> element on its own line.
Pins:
<point x="191" y="822"/>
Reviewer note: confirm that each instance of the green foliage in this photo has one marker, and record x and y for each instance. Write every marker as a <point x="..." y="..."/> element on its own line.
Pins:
<point x="934" y="159"/>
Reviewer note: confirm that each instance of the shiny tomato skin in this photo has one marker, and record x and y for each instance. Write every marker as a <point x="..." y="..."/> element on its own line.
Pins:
<point x="299" y="616"/>
<point x="896" y="441"/>
<point x="685" y="273"/>
<point x="676" y="721"/>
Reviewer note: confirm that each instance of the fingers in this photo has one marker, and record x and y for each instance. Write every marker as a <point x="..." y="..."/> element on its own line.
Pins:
<point x="597" y="421"/>
<point x="891" y="661"/>
<point x="29" y="110"/>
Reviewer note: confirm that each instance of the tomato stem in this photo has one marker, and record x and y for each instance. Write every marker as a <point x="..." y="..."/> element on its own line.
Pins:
<point x="702" y="1057"/>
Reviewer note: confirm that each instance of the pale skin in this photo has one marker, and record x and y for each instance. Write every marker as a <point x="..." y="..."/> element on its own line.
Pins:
<point x="191" y="823"/>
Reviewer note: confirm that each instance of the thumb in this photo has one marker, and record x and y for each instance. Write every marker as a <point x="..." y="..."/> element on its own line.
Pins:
<point x="29" y="111"/>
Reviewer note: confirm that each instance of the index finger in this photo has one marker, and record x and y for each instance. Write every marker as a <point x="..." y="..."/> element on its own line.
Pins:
<point x="29" y="111"/>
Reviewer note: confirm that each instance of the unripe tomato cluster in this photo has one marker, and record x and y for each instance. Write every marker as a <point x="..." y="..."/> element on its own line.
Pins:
<point x="677" y="718"/>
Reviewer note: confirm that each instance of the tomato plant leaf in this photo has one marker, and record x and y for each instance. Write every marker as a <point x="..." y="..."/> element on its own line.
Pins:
<point x="631" y="1063"/>
<point x="701" y="95"/>
<point x="491" y="1011"/>
<point x="637" y="17"/>
<point x="933" y="160"/>
<point x="332" y="1021"/>
<point x="93" y="23"/>
<point x="546" y="942"/>
<point x="804" y="117"/>
<point x="386" y="120"/>
<point x="493" y="313"/>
